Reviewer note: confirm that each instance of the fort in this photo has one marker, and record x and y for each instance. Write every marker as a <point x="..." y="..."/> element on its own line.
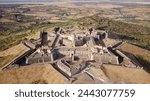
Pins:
<point x="78" y="57"/>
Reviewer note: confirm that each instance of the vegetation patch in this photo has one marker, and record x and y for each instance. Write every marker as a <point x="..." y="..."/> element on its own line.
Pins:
<point x="5" y="60"/>
<point x="40" y="82"/>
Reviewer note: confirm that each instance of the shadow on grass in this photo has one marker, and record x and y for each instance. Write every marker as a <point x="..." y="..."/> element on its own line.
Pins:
<point x="144" y="62"/>
<point x="140" y="60"/>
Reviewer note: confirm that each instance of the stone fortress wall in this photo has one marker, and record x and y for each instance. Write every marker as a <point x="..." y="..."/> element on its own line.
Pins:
<point x="73" y="53"/>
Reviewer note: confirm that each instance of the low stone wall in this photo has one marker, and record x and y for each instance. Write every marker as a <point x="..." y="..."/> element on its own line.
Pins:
<point x="64" y="68"/>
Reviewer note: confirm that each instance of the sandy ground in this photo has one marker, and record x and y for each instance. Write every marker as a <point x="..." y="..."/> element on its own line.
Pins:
<point x="120" y="74"/>
<point x="135" y="50"/>
<point x="41" y="73"/>
<point x="18" y="49"/>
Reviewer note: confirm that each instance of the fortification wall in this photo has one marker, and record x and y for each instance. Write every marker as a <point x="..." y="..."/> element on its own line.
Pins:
<point x="106" y="58"/>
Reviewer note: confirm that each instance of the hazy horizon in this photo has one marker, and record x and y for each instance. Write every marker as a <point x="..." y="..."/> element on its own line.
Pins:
<point x="71" y="0"/>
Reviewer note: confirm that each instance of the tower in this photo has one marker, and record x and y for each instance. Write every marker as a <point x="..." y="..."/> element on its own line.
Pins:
<point x="72" y="55"/>
<point x="90" y="30"/>
<point x="44" y="38"/>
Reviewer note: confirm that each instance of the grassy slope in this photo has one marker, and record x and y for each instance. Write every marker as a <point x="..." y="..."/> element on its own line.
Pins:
<point x="4" y="60"/>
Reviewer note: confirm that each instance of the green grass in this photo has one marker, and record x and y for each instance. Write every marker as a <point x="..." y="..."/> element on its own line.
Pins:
<point x="11" y="40"/>
<point x="139" y="22"/>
